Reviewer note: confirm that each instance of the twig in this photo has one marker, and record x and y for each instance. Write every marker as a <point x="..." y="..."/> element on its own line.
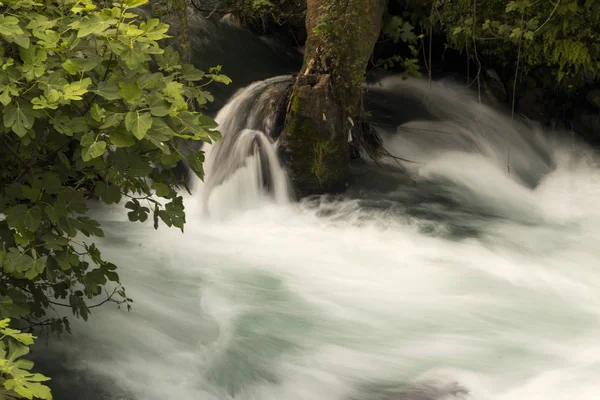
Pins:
<point x="549" y="18"/>
<point x="514" y="94"/>
<point x="431" y="43"/>
<point x="468" y="60"/>
<point x="475" y="48"/>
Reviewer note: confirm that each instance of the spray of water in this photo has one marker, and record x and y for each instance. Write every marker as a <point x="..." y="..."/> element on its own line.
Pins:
<point x="471" y="284"/>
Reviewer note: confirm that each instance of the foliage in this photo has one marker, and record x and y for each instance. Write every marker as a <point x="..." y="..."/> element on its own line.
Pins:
<point x="279" y="11"/>
<point x="397" y="29"/>
<point x="92" y="107"/>
<point x="17" y="380"/>
<point x="560" y="38"/>
<point x="260" y="15"/>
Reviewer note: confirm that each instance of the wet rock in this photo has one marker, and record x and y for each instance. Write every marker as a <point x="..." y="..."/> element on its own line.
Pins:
<point x="587" y="124"/>
<point x="494" y="86"/>
<point x="415" y="391"/>
<point x="593" y="97"/>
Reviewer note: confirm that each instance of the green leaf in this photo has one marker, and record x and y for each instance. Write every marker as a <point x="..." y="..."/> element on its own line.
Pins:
<point x="138" y="123"/>
<point x="72" y="200"/>
<point x="11" y="307"/>
<point x="15" y="215"/>
<point x="90" y="227"/>
<point x="132" y="57"/>
<point x="19" y="117"/>
<point x="158" y="106"/>
<point x="160" y="132"/>
<point x="137" y="213"/>
<point x="29" y="193"/>
<point x="162" y="190"/>
<point x="74" y="90"/>
<point x="98" y="113"/>
<point x="33" y="62"/>
<point x="220" y="78"/>
<point x="121" y="138"/>
<point x="173" y="214"/>
<point x="70" y="67"/>
<point x="154" y="29"/>
<point x="204" y="97"/>
<point x="9" y="26"/>
<point x="33" y="218"/>
<point x="94" y="280"/>
<point x="134" y="3"/>
<point x="92" y="24"/>
<point x="7" y="92"/>
<point x="94" y="151"/>
<point x="36" y="268"/>
<point x="51" y="183"/>
<point x="130" y="92"/>
<point x="195" y="162"/>
<point x="69" y="126"/>
<point x="22" y="40"/>
<point x="88" y="139"/>
<point x="109" y="90"/>
<point x="17" y="262"/>
<point x="111" y="119"/>
<point x="51" y="213"/>
<point x="110" y="194"/>
<point x="191" y="73"/>
<point x="169" y="60"/>
<point x="29" y="387"/>
<point x="207" y="122"/>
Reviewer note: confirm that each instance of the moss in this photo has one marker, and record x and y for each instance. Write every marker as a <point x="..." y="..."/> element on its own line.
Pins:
<point x="321" y="150"/>
<point x="316" y="158"/>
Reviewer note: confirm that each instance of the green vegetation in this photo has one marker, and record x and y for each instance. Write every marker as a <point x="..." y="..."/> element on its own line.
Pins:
<point x="556" y="41"/>
<point x="259" y="15"/>
<point x="322" y="150"/>
<point x="397" y="29"/>
<point x="17" y="380"/>
<point x="92" y="107"/>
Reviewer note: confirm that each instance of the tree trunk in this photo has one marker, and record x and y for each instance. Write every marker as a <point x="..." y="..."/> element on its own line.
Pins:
<point x="326" y="94"/>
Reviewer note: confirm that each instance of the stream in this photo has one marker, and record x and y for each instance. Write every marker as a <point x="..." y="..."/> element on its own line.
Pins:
<point x="468" y="274"/>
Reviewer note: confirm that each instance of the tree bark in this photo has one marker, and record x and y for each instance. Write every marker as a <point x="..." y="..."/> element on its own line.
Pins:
<point x="326" y="94"/>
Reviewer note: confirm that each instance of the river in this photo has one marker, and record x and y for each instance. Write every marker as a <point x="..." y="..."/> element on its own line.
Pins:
<point x="467" y="280"/>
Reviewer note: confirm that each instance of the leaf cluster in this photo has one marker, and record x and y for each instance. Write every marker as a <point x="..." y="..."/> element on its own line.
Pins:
<point x="557" y="38"/>
<point x="92" y="106"/>
<point x="16" y="378"/>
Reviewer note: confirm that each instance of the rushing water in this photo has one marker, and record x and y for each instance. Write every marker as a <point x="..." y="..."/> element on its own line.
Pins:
<point x="464" y="282"/>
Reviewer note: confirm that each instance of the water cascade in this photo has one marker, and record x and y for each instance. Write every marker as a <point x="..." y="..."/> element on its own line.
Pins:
<point x="471" y="283"/>
<point x="245" y="167"/>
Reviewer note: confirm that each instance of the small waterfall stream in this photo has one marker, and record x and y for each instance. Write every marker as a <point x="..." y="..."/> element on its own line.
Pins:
<point x="244" y="168"/>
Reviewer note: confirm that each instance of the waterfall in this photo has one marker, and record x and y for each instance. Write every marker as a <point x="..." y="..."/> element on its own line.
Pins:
<point x="422" y="122"/>
<point x="243" y="170"/>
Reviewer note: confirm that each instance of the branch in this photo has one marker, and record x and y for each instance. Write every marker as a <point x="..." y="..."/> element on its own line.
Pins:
<point x="549" y="18"/>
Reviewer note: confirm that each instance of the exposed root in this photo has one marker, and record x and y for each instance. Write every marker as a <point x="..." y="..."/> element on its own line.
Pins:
<point x="366" y="137"/>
